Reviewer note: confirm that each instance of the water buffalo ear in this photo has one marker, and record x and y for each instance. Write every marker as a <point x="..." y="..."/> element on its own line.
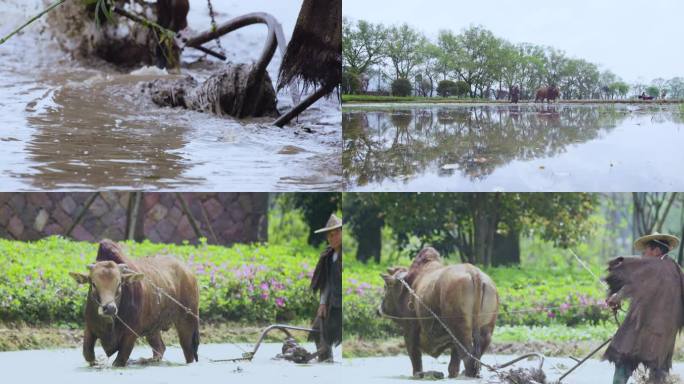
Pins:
<point x="388" y="278"/>
<point x="80" y="278"/>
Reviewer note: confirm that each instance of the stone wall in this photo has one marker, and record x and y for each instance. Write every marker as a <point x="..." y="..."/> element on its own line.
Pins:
<point x="223" y="218"/>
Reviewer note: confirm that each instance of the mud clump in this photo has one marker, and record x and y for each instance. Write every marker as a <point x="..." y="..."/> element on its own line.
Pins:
<point x="523" y="376"/>
<point x="235" y="91"/>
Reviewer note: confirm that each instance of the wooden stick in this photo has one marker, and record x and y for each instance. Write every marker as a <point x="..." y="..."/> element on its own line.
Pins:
<point x="592" y="353"/>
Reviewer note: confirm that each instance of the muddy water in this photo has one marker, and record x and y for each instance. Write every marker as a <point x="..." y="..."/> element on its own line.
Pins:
<point x="68" y="365"/>
<point x="397" y="369"/>
<point x="513" y="147"/>
<point x="67" y="124"/>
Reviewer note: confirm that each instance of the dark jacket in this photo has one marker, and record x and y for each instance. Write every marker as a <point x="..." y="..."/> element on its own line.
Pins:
<point x="327" y="278"/>
<point x="656" y="312"/>
<point x="328" y="274"/>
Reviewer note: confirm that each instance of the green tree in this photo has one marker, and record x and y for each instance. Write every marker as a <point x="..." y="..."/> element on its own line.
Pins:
<point x="362" y="45"/>
<point x="403" y="50"/>
<point x="653" y="91"/>
<point x="473" y="225"/>
<point x="365" y="219"/>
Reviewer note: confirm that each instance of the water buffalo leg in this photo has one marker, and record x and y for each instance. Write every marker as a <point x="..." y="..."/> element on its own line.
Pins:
<point x="188" y="335"/>
<point x="89" y="346"/>
<point x="471" y="366"/>
<point x="454" y="363"/>
<point x="155" y="341"/>
<point x="412" y="340"/>
<point x="125" y="349"/>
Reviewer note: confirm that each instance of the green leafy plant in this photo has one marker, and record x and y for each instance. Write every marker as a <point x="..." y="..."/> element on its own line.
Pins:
<point x="254" y="283"/>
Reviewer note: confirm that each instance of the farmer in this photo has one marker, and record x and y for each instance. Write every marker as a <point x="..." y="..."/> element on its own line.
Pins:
<point x="327" y="280"/>
<point x="654" y="283"/>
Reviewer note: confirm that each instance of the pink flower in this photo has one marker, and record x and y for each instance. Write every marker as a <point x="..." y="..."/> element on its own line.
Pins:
<point x="280" y="301"/>
<point x="564" y="307"/>
<point x="264" y="296"/>
<point x="551" y="315"/>
<point x="264" y="286"/>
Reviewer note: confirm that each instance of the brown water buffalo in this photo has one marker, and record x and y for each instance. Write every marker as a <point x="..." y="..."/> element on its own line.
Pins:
<point x="550" y="93"/>
<point x="461" y="295"/>
<point x="123" y="290"/>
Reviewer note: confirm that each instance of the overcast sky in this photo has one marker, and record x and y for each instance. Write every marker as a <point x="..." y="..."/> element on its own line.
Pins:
<point x="633" y="38"/>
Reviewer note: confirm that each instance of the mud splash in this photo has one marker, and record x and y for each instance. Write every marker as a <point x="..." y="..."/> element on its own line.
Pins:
<point x="73" y="124"/>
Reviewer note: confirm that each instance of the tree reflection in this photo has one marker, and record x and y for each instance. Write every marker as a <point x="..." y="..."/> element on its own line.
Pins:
<point x="393" y="144"/>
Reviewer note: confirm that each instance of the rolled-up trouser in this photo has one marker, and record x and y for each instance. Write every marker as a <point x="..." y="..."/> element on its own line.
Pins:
<point x="329" y="332"/>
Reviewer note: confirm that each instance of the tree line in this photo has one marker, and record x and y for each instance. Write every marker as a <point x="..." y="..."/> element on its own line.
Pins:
<point x="474" y="63"/>
<point x="487" y="228"/>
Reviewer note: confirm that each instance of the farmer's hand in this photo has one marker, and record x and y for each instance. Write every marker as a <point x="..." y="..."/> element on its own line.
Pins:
<point x="614" y="302"/>
<point x="322" y="311"/>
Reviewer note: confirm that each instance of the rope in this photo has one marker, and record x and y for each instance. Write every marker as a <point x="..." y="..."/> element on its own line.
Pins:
<point x="186" y="309"/>
<point x="588" y="269"/>
<point x="528" y="310"/>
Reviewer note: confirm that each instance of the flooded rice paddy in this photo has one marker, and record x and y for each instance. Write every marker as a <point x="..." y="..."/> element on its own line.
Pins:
<point x="505" y="147"/>
<point x="67" y="124"/>
<point x="68" y="365"/>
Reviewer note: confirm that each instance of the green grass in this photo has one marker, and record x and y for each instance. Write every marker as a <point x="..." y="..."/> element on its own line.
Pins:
<point x="553" y="333"/>
<point x="258" y="283"/>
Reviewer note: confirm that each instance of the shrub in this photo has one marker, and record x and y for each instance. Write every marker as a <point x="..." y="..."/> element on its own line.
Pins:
<point x="446" y="88"/>
<point x="401" y="87"/>
<point x="351" y="83"/>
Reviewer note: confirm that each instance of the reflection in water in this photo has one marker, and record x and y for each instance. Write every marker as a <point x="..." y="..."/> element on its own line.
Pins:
<point x="470" y="143"/>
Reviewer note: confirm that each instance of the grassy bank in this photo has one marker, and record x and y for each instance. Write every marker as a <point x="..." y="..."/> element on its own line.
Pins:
<point x="246" y="283"/>
<point x="372" y="99"/>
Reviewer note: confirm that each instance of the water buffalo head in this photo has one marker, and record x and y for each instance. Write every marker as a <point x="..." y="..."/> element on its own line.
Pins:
<point x="106" y="279"/>
<point x="394" y="301"/>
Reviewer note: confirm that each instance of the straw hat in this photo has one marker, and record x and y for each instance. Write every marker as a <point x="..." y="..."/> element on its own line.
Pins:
<point x="333" y="223"/>
<point x="672" y="242"/>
